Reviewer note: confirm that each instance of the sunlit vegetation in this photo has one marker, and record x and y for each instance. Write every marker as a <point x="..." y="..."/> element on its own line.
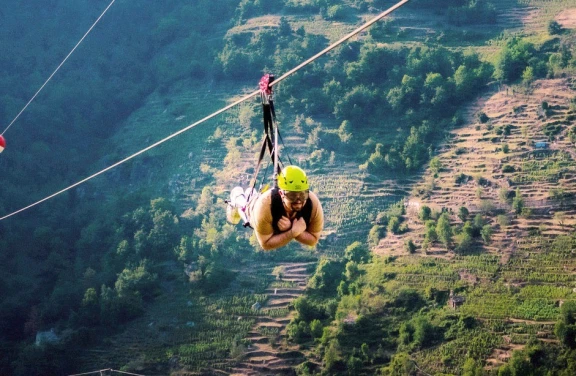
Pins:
<point x="101" y="260"/>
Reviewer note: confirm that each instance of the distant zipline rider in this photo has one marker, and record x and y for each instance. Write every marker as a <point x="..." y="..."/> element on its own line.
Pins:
<point x="289" y="210"/>
<point x="2" y="143"/>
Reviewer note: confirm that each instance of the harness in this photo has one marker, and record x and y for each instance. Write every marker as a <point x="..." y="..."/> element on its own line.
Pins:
<point x="278" y="210"/>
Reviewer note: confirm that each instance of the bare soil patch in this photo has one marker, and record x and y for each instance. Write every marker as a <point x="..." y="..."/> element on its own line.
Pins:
<point x="567" y="18"/>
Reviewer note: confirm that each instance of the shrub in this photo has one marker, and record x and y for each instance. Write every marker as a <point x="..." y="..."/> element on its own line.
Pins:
<point x="425" y="213"/>
<point x="394" y="225"/>
<point x="463" y="213"/>
<point x="409" y="246"/>
<point x="461" y="178"/>
<point x="554" y="28"/>
<point x="508" y="168"/>
<point x="486" y="233"/>
<point x="482" y="117"/>
<point x="503" y="220"/>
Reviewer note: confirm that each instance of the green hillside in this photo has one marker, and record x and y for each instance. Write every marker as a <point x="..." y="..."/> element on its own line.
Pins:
<point x="440" y="143"/>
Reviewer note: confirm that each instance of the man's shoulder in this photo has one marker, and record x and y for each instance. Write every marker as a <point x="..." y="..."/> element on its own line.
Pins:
<point x="266" y="197"/>
<point x="263" y="201"/>
<point x="314" y="198"/>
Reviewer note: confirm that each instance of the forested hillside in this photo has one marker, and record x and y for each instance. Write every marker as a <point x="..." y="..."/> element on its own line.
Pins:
<point x="419" y="137"/>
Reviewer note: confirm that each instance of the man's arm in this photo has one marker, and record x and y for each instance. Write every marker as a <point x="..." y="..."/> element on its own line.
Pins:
<point x="270" y="242"/>
<point x="308" y="238"/>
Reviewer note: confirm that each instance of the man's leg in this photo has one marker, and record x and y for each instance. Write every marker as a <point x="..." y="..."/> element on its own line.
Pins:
<point x="236" y="205"/>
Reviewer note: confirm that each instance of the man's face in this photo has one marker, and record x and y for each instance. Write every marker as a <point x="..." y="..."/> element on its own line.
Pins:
<point x="295" y="200"/>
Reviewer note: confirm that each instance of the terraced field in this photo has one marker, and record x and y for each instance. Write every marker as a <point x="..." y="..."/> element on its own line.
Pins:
<point x="525" y="273"/>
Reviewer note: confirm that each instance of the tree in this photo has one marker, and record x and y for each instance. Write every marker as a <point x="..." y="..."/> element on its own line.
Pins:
<point x="565" y="328"/>
<point x="465" y="238"/>
<point x="503" y="220"/>
<point x="554" y="28"/>
<point x="374" y="235"/>
<point x="472" y="368"/>
<point x="486" y="233"/>
<point x="435" y="165"/>
<point x="327" y="276"/>
<point x="357" y="252"/>
<point x="423" y="332"/>
<point x="352" y="271"/>
<point x="409" y="246"/>
<point x="527" y="79"/>
<point x="430" y="235"/>
<point x="354" y="365"/>
<point x="518" y="202"/>
<point x="463" y="213"/>
<point x="400" y="365"/>
<point x="513" y="59"/>
<point x="332" y="355"/>
<point x="425" y="213"/>
<point x="136" y="281"/>
<point x="284" y="28"/>
<point x="444" y="230"/>
<point x="503" y="195"/>
<point x="297" y="331"/>
<point x="393" y="225"/>
<point x="316" y="328"/>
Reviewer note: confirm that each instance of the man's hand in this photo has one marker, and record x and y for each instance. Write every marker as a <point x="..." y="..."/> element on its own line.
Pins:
<point x="284" y="224"/>
<point x="298" y="227"/>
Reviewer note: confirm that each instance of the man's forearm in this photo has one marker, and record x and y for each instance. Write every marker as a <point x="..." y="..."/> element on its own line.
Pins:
<point x="307" y="238"/>
<point x="278" y="240"/>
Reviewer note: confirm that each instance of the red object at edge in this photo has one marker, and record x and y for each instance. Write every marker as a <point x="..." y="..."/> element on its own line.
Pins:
<point x="265" y="82"/>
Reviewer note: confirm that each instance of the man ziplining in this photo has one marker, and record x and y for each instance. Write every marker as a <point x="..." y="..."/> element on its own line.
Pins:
<point x="282" y="214"/>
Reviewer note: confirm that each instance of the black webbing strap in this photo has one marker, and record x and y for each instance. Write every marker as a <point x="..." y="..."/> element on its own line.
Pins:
<point x="282" y="140"/>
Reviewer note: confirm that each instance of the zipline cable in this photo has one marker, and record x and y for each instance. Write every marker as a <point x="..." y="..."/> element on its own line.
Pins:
<point x="340" y="41"/>
<point x="245" y="98"/>
<point x="135" y="154"/>
<point x="58" y="68"/>
<point x="106" y="370"/>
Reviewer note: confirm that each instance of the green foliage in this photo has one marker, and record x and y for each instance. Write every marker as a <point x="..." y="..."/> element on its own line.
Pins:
<point x="472" y="368"/>
<point x="430" y="234"/>
<point x="326" y="277"/>
<point x="394" y="225"/>
<point x="514" y="59"/>
<point x="486" y="233"/>
<point x="425" y="213"/>
<point x="565" y="328"/>
<point x="357" y="252"/>
<point x="474" y="12"/>
<point x="435" y="165"/>
<point x="316" y="328"/>
<point x="554" y="28"/>
<point x="518" y="202"/>
<point x="400" y="365"/>
<point x="463" y="213"/>
<point x="444" y="230"/>
<point x="409" y="246"/>
<point x="508" y="168"/>
<point x="375" y="234"/>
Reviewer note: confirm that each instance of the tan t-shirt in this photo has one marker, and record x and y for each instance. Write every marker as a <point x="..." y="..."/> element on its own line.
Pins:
<point x="261" y="215"/>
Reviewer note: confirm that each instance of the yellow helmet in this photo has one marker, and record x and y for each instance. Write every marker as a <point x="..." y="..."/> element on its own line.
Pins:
<point x="293" y="179"/>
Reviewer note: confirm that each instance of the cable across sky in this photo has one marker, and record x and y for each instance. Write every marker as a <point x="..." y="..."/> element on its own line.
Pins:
<point x="58" y="68"/>
<point x="243" y="99"/>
